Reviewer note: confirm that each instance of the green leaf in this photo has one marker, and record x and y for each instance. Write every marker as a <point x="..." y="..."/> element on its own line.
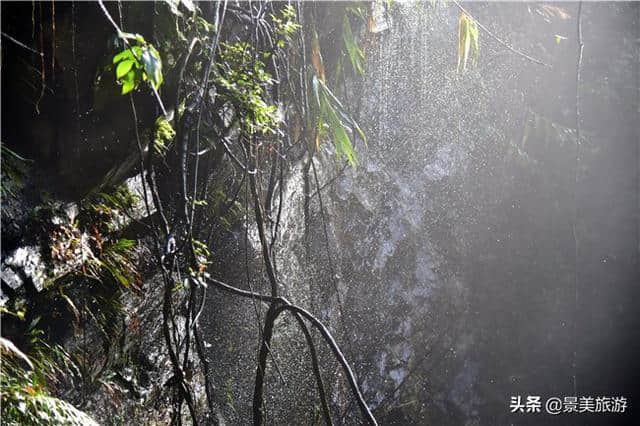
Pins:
<point x="125" y="54"/>
<point x="338" y="120"/>
<point x="164" y="135"/>
<point x="7" y="347"/>
<point x="356" y="56"/>
<point x="128" y="82"/>
<point x="137" y="52"/>
<point x="118" y="275"/>
<point x="72" y="306"/>
<point x="124" y="67"/>
<point x="332" y="97"/>
<point x="341" y="139"/>
<point x="152" y="65"/>
<point x="124" y="244"/>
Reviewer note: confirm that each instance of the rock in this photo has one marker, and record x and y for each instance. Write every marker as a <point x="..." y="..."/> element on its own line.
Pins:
<point x="12" y="279"/>
<point x="66" y="213"/>
<point x="138" y="210"/>
<point x="135" y="186"/>
<point x="28" y="260"/>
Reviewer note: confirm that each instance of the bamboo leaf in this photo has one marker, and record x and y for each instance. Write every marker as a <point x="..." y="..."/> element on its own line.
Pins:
<point x="467" y="42"/>
<point x="333" y="115"/>
<point x="356" y="56"/>
<point x="315" y="83"/>
<point x="316" y="57"/>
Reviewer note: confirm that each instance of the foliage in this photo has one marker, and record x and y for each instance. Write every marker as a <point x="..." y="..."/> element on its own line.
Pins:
<point x="244" y="80"/>
<point x="109" y="203"/>
<point x="7" y="347"/>
<point x="285" y="25"/>
<point x="90" y="246"/>
<point x="13" y="172"/>
<point x="24" y="394"/>
<point x="114" y="254"/>
<point x="116" y="259"/>
<point x="334" y="118"/>
<point x="232" y="93"/>
<point x="467" y="41"/>
<point x="138" y="63"/>
<point x="164" y="135"/>
<point x="356" y="56"/>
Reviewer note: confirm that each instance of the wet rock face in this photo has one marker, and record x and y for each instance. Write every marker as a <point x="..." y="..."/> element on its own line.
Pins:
<point x="47" y="248"/>
<point x="390" y="282"/>
<point x="24" y="261"/>
<point x="400" y="220"/>
<point x="451" y="244"/>
<point x="24" y="221"/>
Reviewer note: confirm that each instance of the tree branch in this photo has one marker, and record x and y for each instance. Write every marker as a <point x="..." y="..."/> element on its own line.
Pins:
<point x="316" y="371"/>
<point x="496" y="38"/>
<point x="280" y="304"/>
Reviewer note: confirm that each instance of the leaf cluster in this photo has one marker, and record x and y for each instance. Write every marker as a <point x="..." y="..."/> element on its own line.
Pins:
<point x="285" y="25"/>
<point x="164" y="135"/>
<point x="138" y="63"/>
<point x="24" y="390"/>
<point x="334" y="119"/>
<point x="244" y="81"/>
<point x="356" y="55"/>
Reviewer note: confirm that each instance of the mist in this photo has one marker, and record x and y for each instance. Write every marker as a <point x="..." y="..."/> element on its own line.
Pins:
<point x="397" y="213"/>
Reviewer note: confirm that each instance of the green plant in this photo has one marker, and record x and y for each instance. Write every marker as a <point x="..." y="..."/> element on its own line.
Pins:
<point x="91" y="247"/>
<point x="137" y="63"/>
<point x="356" y="55"/>
<point x="116" y="259"/>
<point x="24" y="394"/>
<point x="164" y="135"/>
<point x="334" y="118"/>
<point x="13" y="170"/>
<point x="285" y="25"/>
<point x="243" y="80"/>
